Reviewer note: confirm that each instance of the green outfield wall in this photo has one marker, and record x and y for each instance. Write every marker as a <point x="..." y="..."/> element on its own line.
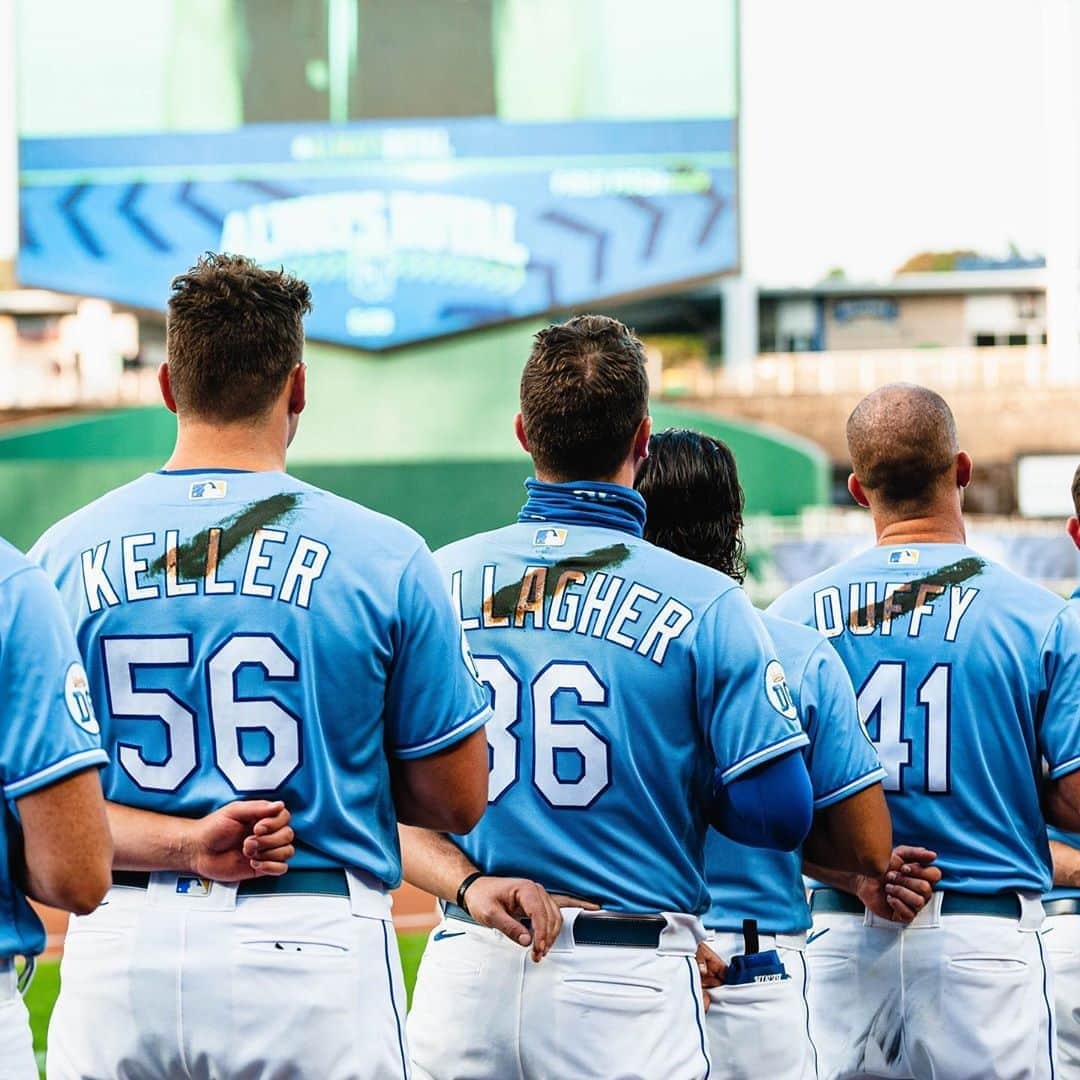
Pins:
<point x="424" y="434"/>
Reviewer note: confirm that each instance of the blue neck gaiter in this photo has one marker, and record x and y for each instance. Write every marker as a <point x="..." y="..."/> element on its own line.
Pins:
<point x="585" y="502"/>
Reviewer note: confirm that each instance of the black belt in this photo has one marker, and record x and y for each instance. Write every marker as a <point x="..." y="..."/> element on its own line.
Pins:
<point x="590" y="928"/>
<point x="1064" y="905"/>
<point x="293" y="883"/>
<point x="1002" y="905"/>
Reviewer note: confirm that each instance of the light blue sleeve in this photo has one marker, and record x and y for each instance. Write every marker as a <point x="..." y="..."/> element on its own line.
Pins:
<point x="49" y="729"/>
<point x="434" y="697"/>
<point x="743" y="696"/>
<point x="1059" y="732"/>
<point x="841" y="758"/>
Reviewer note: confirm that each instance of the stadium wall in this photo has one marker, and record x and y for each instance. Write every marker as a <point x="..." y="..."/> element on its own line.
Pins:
<point x="424" y="434"/>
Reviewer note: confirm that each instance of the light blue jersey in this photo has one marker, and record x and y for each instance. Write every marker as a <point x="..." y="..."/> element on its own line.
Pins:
<point x="1072" y="839"/>
<point x="752" y="883"/>
<point x="621" y="676"/>
<point x="968" y="676"/>
<point x="248" y="635"/>
<point x="48" y="730"/>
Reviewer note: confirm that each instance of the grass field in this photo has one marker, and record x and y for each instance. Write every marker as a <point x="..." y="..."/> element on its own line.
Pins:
<point x="46" y="985"/>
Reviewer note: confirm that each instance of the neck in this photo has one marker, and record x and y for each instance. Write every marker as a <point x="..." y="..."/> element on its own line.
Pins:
<point x="623" y="477"/>
<point x="251" y="447"/>
<point x="945" y="527"/>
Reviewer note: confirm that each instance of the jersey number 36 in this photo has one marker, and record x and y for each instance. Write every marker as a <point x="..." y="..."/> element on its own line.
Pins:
<point x="571" y="765"/>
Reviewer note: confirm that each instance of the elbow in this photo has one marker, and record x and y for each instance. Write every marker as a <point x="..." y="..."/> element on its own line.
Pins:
<point x="82" y="895"/>
<point x="465" y="814"/>
<point x="457" y="816"/>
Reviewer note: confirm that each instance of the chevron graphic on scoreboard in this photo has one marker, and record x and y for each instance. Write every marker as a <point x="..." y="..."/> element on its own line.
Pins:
<point x="405" y="231"/>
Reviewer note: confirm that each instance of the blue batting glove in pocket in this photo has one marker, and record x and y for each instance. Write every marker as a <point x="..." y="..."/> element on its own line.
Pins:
<point x="761" y="967"/>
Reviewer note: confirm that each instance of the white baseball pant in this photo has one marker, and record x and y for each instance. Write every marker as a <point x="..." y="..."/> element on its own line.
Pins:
<point x="483" y="1010"/>
<point x="1061" y="935"/>
<point x="159" y="983"/>
<point x="16" y="1042"/>
<point x="762" y="1029"/>
<point x="951" y="997"/>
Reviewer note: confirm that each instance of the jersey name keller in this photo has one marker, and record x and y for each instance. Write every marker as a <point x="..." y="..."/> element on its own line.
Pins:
<point x="270" y="563"/>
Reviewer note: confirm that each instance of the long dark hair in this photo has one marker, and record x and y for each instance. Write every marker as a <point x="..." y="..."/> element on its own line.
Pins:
<point x="690" y="484"/>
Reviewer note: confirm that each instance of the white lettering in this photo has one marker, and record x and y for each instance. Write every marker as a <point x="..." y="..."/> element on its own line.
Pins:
<point x="627" y="613"/>
<point x="960" y="599"/>
<point x="302" y="574"/>
<point x="173" y="585"/>
<point x="672" y="619"/>
<point x="598" y="604"/>
<point x="133" y="567"/>
<point x="257" y="560"/>
<point x="828" y="613"/>
<point x="96" y="581"/>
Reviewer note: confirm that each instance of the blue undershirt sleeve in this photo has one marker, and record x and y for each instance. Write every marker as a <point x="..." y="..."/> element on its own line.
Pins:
<point x="770" y="807"/>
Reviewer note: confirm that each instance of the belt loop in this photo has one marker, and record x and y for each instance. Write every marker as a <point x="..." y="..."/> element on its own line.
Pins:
<point x="682" y="934"/>
<point x="564" y="943"/>
<point x="1031" y="912"/>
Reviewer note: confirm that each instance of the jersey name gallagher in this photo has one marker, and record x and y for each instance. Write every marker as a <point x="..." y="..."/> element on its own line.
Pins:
<point x="566" y="598"/>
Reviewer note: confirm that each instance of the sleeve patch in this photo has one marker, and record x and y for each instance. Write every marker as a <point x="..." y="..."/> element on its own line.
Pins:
<point x="77" y="697"/>
<point x="778" y="692"/>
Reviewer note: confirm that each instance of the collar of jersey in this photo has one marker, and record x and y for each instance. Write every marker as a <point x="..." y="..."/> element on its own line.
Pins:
<point x="585" y="502"/>
<point x="198" y="472"/>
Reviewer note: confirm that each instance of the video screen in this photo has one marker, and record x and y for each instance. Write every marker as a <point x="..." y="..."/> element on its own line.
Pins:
<point x="428" y="165"/>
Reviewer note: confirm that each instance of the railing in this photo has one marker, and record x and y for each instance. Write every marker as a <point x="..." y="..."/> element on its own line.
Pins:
<point x="860" y="371"/>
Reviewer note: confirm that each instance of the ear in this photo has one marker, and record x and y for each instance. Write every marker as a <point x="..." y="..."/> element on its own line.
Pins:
<point x="166" y="387"/>
<point x="298" y="390"/>
<point x="641" y="440"/>
<point x="856" y="490"/>
<point x="964" y="468"/>
<point x="519" y="431"/>
<point x="1073" y="528"/>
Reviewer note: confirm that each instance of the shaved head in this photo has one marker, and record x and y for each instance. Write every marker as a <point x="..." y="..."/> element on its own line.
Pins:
<point x="903" y="444"/>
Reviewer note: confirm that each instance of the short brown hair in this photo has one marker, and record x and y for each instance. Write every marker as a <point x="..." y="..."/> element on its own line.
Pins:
<point x="584" y="392"/>
<point x="1076" y="490"/>
<point x="903" y="442"/>
<point x="235" y="331"/>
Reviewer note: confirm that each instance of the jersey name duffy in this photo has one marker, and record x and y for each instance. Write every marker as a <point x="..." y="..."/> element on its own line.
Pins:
<point x="564" y="597"/>
<point x="158" y="564"/>
<point x="858" y="610"/>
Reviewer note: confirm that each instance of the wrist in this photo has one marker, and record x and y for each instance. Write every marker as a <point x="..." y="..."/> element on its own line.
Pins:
<point x="185" y="847"/>
<point x="463" y="888"/>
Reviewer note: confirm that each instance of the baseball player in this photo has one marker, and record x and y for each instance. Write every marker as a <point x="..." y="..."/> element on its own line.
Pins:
<point x="54" y="843"/>
<point x="250" y="635"/>
<point x="626" y="683"/>
<point x="759" y="1021"/>
<point x="1062" y="904"/>
<point x="968" y="677"/>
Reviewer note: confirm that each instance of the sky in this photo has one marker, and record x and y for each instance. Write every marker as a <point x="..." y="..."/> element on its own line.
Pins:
<point x="875" y="129"/>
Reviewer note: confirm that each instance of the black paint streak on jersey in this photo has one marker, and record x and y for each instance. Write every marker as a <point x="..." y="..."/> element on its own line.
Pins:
<point x="191" y="556"/>
<point x="903" y="603"/>
<point x="504" y="602"/>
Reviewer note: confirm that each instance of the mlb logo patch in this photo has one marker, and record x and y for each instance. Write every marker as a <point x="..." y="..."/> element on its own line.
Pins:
<point x="903" y="557"/>
<point x="208" y="489"/>
<point x="193" y="886"/>
<point x="550" y="537"/>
